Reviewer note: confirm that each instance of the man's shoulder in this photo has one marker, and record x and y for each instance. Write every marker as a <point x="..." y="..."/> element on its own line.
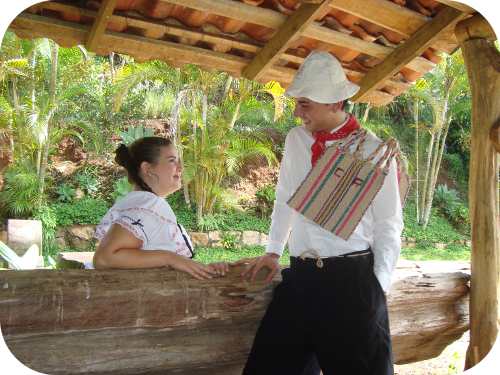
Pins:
<point x="296" y="131"/>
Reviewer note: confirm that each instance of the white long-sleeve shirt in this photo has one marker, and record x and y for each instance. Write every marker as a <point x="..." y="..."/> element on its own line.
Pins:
<point x="380" y="227"/>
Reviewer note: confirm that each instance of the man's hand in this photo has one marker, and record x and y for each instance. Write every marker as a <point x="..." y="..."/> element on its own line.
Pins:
<point x="268" y="260"/>
<point x="220" y="268"/>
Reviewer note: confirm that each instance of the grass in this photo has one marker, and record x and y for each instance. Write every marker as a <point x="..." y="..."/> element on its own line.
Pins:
<point x="217" y="254"/>
<point x="452" y="252"/>
<point x="438" y="229"/>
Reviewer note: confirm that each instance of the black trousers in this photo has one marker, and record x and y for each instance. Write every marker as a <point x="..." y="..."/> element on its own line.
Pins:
<point x="336" y="315"/>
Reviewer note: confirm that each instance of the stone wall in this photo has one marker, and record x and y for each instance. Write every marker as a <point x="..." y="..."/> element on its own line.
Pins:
<point x="80" y="237"/>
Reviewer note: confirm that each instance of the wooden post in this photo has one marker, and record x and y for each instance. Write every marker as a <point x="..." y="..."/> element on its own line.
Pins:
<point x="483" y="68"/>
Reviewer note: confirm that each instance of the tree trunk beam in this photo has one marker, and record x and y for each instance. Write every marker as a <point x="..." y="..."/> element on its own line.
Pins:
<point x="69" y="322"/>
<point x="483" y="69"/>
<point x="100" y="23"/>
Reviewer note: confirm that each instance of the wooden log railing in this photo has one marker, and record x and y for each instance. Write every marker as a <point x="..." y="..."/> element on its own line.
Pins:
<point x="164" y="322"/>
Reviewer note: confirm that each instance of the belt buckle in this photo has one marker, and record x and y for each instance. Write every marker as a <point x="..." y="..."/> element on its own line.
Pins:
<point x="319" y="263"/>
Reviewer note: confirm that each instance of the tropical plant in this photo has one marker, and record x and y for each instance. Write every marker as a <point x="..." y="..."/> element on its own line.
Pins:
<point x="265" y="198"/>
<point x="121" y="188"/>
<point x="65" y="193"/>
<point x="134" y="133"/>
<point x="442" y="90"/>
<point x="21" y="196"/>
<point x="229" y="241"/>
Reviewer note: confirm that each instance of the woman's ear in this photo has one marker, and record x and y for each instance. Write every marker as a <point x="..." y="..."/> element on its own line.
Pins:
<point x="145" y="168"/>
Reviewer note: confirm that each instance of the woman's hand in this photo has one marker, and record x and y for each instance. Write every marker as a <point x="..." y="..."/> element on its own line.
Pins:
<point x="221" y="268"/>
<point x="197" y="270"/>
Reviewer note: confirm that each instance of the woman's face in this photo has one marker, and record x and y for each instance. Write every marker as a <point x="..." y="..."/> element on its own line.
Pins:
<point x="164" y="177"/>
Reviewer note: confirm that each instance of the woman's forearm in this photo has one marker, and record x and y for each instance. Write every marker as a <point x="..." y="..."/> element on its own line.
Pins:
<point x="133" y="258"/>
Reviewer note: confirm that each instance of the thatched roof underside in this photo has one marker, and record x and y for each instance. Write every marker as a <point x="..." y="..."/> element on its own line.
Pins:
<point x="383" y="45"/>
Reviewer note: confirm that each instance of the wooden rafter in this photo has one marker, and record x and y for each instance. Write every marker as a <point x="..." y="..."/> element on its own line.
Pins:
<point x="164" y="28"/>
<point x="288" y="32"/>
<point x="384" y="13"/>
<point x="457" y="5"/>
<point x="69" y="34"/>
<point x="274" y="20"/>
<point x="413" y="47"/>
<point x="100" y="23"/>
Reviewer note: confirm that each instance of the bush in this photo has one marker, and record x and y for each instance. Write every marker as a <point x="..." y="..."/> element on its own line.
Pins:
<point x="229" y="241"/>
<point x="450" y="206"/>
<point x="87" y="180"/>
<point x="438" y="230"/>
<point x="83" y="211"/>
<point x="210" y="222"/>
<point x="121" y="188"/>
<point x="20" y="195"/>
<point x="265" y="198"/>
<point x="445" y="199"/>
<point x="47" y="216"/>
<point x="65" y="193"/>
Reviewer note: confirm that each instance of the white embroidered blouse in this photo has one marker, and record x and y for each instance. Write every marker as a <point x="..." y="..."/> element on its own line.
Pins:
<point x="149" y="218"/>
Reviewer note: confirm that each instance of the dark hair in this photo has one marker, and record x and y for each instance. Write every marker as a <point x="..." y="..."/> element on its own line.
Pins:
<point x="144" y="149"/>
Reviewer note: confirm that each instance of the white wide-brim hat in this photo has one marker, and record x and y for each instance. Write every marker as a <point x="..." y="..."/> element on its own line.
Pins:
<point x="321" y="79"/>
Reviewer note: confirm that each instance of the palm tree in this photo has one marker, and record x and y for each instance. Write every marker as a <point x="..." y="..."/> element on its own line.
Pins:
<point x="441" y="90"/>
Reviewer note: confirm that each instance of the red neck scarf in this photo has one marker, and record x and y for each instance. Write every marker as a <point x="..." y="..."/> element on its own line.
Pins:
<point x="321" y="137"/>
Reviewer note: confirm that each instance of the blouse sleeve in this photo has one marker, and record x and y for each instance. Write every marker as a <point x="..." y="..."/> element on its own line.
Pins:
<point x="142" y="223"/>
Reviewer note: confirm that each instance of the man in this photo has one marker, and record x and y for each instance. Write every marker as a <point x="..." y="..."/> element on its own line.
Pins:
<point x="331" y="304"/>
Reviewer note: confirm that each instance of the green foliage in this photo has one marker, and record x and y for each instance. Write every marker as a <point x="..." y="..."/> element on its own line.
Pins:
<point x="218" y="254"/>
<point x="121" y="188"/>
<point x="47" y="215"/>
<point x="450" y="206"/>
<point x="229" y="241"/>
<point x="438" y="230"/>
<point x="210" y="222"/>
<point x="451" y="252"/>
<point x="83" y="211"/>
<point x="134" y="133"/>
<point x="445" y="199"/>
<point x="20" y="195"/>
<point x="88" y="183"/>
<point x="65" y="193"/>
<point x="265" y="198"/>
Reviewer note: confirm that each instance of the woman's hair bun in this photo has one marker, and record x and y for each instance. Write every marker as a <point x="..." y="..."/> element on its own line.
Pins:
<point x="122" y="156"/>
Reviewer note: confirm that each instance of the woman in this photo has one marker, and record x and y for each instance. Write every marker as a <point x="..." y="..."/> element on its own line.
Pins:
<point x="141" y="230"/>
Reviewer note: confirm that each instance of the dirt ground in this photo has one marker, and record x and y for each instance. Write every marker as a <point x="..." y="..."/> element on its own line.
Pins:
<point x="451" y="361"/>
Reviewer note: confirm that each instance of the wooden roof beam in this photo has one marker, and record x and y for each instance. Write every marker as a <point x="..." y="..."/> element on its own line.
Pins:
<point x="100" y="23"/>
<point x="383" y="13"/>
<point x="288" y="32"/>
<point x="457" y="5"/>
<point x="414" y="46"/>
<point x="274" y="20"/>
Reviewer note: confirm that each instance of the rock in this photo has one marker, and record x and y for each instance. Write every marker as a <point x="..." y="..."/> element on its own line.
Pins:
<point x="79" y="194"/>
<point x="3" y="236"/>
<point x="83" y="232"/>
<point x="440" y="246"/>
<point x="65" y="168"/>
<point x="81" y="237"/>
<point x="214" y="238"/>
<point x="250" y="238"/>
<point x="264" y="239"/>
<point x="61" y="243"/>
<point x="21" y="234"/>
<point x="199" y="238"/>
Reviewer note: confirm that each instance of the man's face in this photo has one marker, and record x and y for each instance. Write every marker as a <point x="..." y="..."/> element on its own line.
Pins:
<point x="315" y="116"/>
